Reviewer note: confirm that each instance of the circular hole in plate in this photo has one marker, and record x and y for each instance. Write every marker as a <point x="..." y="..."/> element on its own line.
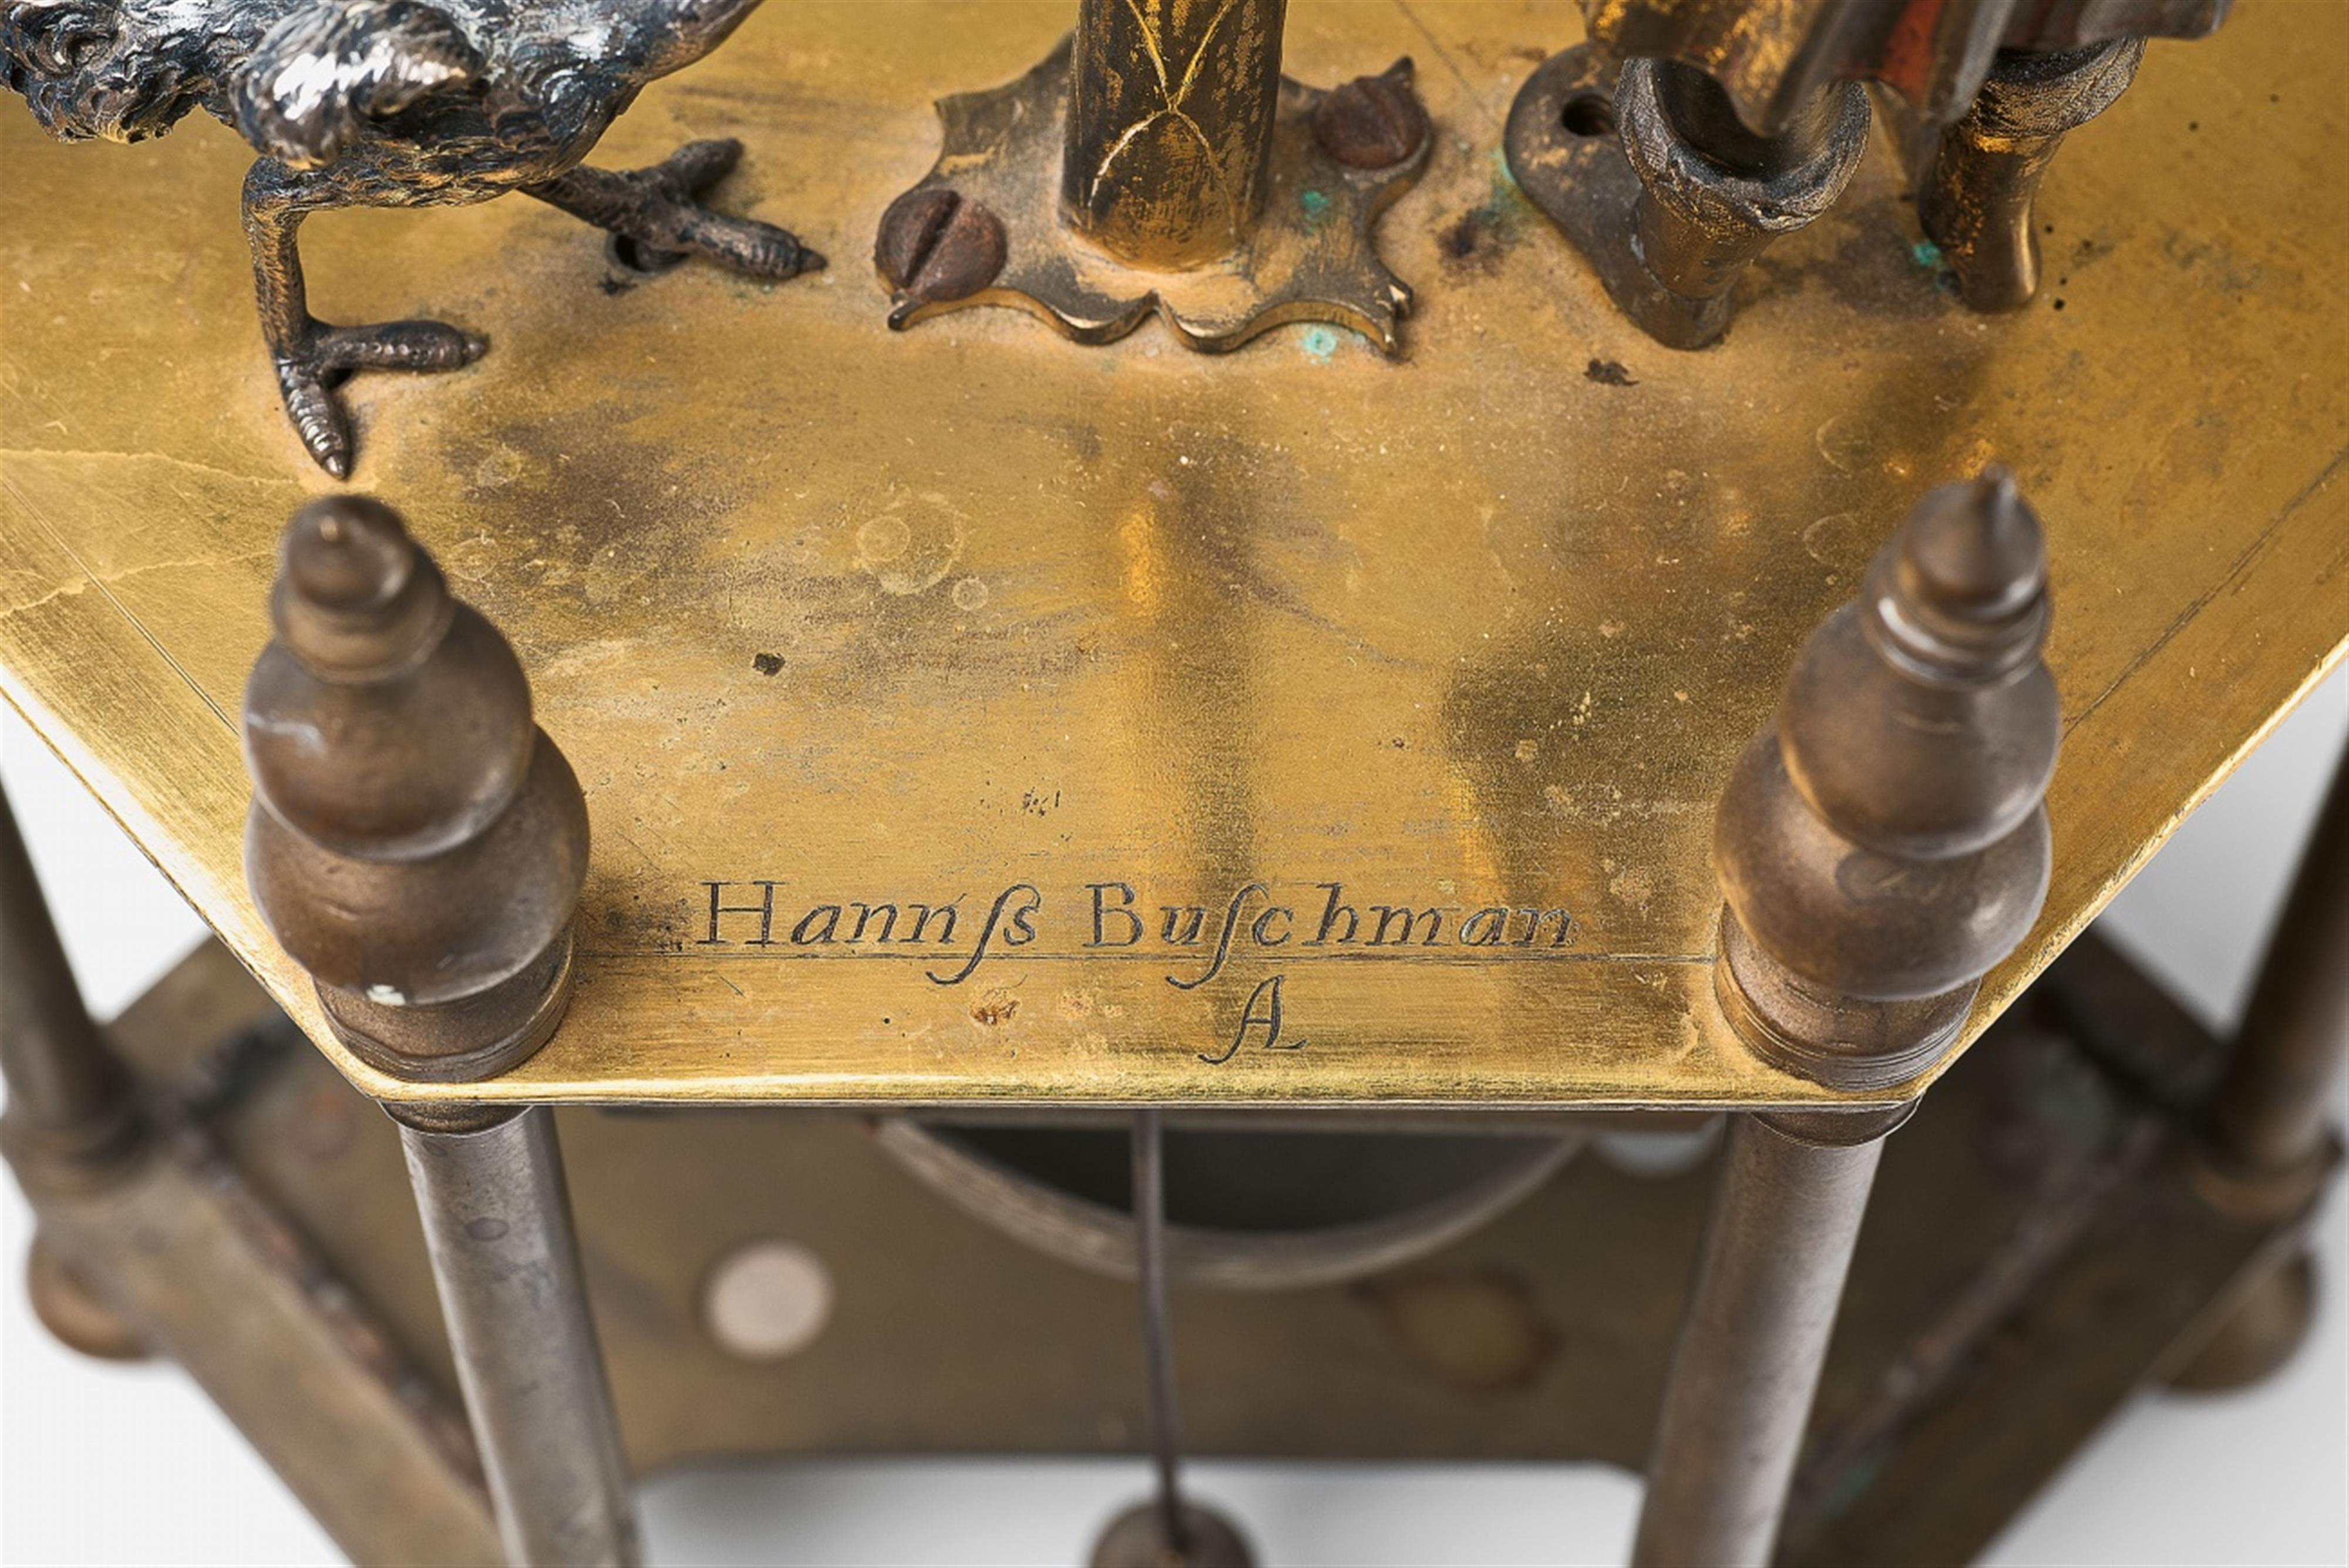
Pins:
<point x="1588" y="114"/>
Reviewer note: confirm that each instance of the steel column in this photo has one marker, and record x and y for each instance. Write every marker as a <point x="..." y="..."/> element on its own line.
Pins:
<point x="65" y="1087"/>
<point x="2268" y="1113"/>
<point x="497" y="1220"/>
<point x="1776" y="1247"/>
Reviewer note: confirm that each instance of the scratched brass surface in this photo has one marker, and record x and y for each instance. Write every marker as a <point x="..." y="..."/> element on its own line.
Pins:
<point x="1471" y="628"/>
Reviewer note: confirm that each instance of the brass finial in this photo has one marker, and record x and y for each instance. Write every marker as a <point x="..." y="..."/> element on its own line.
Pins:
<point x="415" y="842"/>
<point x="1882" y="843"/>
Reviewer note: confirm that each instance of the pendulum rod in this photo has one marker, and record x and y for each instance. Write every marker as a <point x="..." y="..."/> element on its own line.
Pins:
<point x="1157" y="1327"/>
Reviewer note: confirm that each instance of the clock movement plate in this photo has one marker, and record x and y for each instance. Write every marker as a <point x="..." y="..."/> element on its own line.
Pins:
<point x="968" y="716"/>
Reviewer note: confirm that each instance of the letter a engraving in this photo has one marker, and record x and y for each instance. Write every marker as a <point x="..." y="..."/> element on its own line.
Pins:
<point x="1262" y="1011"/>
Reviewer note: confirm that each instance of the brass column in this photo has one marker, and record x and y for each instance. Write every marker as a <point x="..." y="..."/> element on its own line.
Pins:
<point x="67" y="1094"/>
<point x="418" y="844"/>
<point x="1880" y="844"/>
<point x="2265" y="1147"/>
<point x="1170" y="125"/>
<point x="2269" y="1112"/>
<point x="505" y="1260"/>
<point x="1776" y="1247"/>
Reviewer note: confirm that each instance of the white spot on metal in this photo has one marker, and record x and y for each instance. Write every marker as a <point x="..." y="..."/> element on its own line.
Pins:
<point x="767" y="1300"/>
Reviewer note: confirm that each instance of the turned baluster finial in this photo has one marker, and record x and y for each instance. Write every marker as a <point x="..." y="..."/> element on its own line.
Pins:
<point x="1882" y="842"/>
<point x="415" y="842"/>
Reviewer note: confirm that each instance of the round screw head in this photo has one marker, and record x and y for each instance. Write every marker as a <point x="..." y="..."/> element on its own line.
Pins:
<point x="936" y="246"/>
<point x="1371" y="122"/>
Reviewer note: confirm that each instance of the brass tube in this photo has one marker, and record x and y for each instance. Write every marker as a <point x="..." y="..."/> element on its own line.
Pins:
<point x="2268" y="1112"/>
<point x="497" y="1222"/>
<point x="1171" y="106"/>
<point x="62" y="1079"/>
<point x="1776" y="1247"/>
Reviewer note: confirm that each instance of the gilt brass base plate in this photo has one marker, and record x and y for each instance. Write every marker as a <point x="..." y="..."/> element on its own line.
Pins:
<point x="831" y="620"/>
<point x="1308" y="258"/>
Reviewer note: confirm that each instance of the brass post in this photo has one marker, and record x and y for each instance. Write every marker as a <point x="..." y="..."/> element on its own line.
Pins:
<point x="2268" y="1113"/>
<point x="1776" y="1247"/>
<point x="1881" y="844"/>
<point x="415" y="842"/>
<point x="72" y="1119"/>
<point x="2265" y="1151"/>
<point x="1981" y="174"/>
<point x="418" y="845"/>
<point x="1714" y="194"/>
<point x="1170" y="125"/>
<point x="505" y="1260"/>
<point x="68" y="1096"/>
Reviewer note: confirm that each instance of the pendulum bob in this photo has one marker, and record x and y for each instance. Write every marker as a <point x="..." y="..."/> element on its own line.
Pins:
<point x="415" y="842"/>
<point x="1883" y="843"/>
<point x="1977" y="180"/>
<point x="1665" y="191"/>
<point x="1137" y="1538"/>
<point x="1158" y="162"/>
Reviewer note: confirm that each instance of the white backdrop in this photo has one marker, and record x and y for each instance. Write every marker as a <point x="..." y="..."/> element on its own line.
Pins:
<point x="103" y="1464"/>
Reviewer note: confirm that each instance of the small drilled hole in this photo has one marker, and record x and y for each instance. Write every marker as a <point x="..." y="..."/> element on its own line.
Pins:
<point x="1588" y="114"/>
<point x="631" y="258"/>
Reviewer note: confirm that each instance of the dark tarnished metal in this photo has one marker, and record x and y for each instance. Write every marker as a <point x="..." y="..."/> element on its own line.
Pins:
<point x="73" y="1314"/>
<point x="1743" y="122"/>
<point x="415" y="841"/>
<point x="1371" y="122"/>
<point x="1979" y="1344"/>
<point x="1652" y="175"/>
<point x="1773" y="56"/>
<point x="1882" y="843"/>
<point x="150" y="1240"/>
<point x="70" y="1108"/>
<point x="1137" y="1538"/>
<point x="1880" y="846"/>
<point x="935" y="247"/>
<point x="2266" y="1149"/>
<point x="1354" y="1203"/>
<point x="1977" y="180"/>
<point x="2265" y="1324"/>
<point x="393" y="103"/>
<point x="2268" y="1116"/>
